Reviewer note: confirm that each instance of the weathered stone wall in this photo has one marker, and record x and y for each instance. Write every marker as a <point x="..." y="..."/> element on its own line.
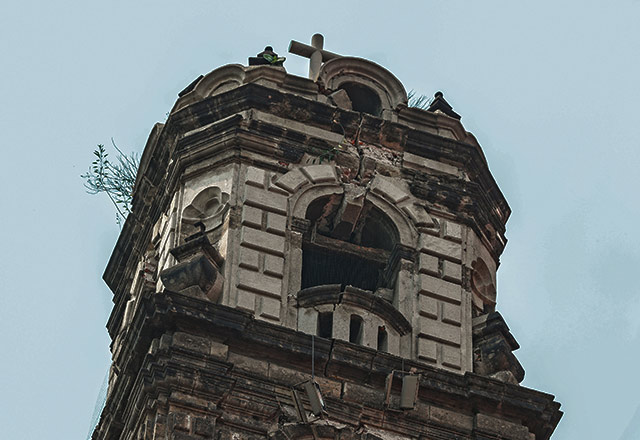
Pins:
<point x="254" y="171"/>
<point x="220" y="373"/>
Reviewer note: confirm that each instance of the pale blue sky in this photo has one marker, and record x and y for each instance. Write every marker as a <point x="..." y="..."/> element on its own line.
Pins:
<point x="549" y="88"/>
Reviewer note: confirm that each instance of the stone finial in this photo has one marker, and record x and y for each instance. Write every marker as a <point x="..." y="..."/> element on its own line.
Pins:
<point x="439" y="103"/>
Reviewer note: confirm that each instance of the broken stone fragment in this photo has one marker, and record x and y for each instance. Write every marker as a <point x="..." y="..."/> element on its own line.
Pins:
<point x="341" y="99"/>
<point x="349" y="212"/>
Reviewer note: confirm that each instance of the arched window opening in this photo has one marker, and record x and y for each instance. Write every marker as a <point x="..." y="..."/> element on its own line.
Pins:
<point x="377" y="231"/>
<point x="383" y="339"/>
<point x="363" y="99"/>
<point x="355" y="329"/>
<point x="350" y="250"/>
<point x="325" y="325"/>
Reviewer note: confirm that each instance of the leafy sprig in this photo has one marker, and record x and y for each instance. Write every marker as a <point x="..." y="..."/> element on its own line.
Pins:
<point x="418" y="101"/>
<point x="117" y="179"/>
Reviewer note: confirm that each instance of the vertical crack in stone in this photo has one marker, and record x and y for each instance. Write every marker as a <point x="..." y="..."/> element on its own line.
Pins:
<point x="358" y="148"/>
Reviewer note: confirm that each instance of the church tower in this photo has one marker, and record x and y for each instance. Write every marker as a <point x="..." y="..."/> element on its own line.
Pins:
<point x="312" y="258"/>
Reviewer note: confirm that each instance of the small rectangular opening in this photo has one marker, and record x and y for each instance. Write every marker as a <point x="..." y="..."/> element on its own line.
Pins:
<point x="383" y="343"/>
<point x="355" y="329"/>
<point x="325" y="325"/>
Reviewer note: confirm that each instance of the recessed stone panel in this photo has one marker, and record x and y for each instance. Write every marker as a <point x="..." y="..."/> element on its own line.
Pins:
<point x="450" y="356"/>
<point x="267" y="200"/>
<point x="255" y="177"/>
<point x="451" y="271"/>
<point x="270" y="308"/>
<point x="263" y="241"/>
<point x="252" y="217"/>
<point x="440" y="247"/>
<point x="441" y="289"/>
<point x="429" y="264"/>
<point x="260" y="283"/>
<point x="276" y="223"/>
<point x="451" y="313"/>
<point x="246" y="300"/>
<point x="249" y="258"/>
<point x="427" y="349"/>
<point x="440" y="331"/>
<point x="453" y="231"/>
<point x="273" y="265"/>
<point x="428" y="306"/>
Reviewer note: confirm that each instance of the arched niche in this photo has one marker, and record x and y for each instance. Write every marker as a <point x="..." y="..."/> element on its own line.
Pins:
<point x="359" y="78"/>
<point x="217" y="81"/>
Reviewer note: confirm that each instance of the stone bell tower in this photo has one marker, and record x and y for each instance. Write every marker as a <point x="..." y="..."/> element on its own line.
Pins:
<point x="311" y="258"/>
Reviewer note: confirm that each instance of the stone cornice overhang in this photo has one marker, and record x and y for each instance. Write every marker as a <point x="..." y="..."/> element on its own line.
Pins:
<point x="222" y="125"/>
<point x="163" y="313"/>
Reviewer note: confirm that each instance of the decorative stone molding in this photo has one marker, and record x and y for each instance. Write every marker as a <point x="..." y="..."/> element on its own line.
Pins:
<point x="208" y="207"/>
<point x="482" y="282"/>
<point x="362" y="299"/>
<point x="218" y="81"/>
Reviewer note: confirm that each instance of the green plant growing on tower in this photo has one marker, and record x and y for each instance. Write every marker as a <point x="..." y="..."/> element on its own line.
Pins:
<point x="115" y="178"/>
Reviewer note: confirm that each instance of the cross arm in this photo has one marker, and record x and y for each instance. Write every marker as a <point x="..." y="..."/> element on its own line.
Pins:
<point x="297" y="48"/>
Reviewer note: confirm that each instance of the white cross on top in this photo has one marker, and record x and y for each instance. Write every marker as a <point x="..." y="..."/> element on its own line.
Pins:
<point x="315" y="53"/>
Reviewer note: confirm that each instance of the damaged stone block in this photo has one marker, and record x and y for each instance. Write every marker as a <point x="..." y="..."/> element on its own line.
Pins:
<point x="292" y="181"/>
<point x="341" y="99"/>
<point x="418" y="215"/>
<point x="320" y="173"/>
<point x="493" y="346"/>
<point x="387" y="189"/>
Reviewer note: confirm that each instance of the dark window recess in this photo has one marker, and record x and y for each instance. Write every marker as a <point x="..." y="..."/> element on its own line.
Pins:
<point x="319" y="268"/>
<point x="383" y="339"/>
<point x="325" y="325"/>
<point x="363" y="99"/>
<point x="355" y="329"/>
<point x="347" y="251"/>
